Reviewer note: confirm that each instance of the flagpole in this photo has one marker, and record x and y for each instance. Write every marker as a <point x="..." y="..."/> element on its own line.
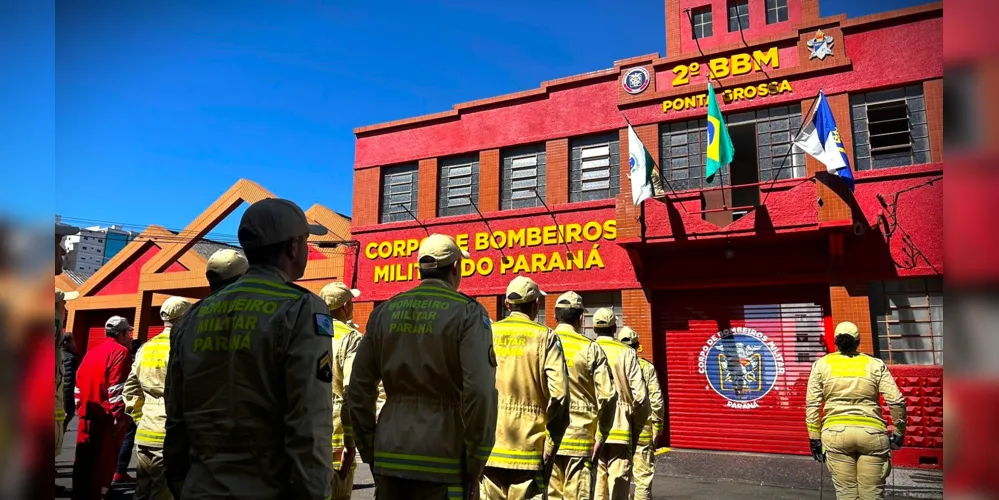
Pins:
<point x="791" y="148"/>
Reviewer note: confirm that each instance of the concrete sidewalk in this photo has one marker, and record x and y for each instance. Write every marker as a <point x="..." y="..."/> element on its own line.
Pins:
<point x="680" y="474"/>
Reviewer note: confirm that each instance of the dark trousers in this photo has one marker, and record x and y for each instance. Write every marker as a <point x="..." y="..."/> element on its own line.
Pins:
<point x="97" y="447"/>
<point x="125" y="455"/>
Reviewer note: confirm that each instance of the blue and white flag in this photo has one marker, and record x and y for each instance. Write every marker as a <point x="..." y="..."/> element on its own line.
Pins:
<point x="820" y="138"/>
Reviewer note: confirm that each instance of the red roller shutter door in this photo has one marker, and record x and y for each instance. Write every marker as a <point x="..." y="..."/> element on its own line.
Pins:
<point x="737" y="364"/>
<point x="154" y="331"/>
<point x="95" y="336"/>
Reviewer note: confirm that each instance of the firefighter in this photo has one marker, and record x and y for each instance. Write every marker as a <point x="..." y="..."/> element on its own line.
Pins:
<point x="144" y="403"/>
<point x="224" y="268"/>
<point x="614" y="462"/>
<point x="533" y="389"/>
<point x="248" y="380"/>
<point x="61" y="230"/>
<point x="432" y="348"/>
<point x="340" y="300"/>
<point x="100" y="406"/>
<point x="644" y="463"/>
<point x="853" y="438"/>
<point x="592" y="404"/>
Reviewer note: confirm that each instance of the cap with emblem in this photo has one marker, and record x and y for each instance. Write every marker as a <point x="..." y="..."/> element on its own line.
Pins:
<point x="61" y="296"/>
<point x="226" y="264"/>
<point x="523" y="290"/>
<point x="627" y="336"/>
<point x="274" y="220"/>
<point x="439" y="250"/>
<point x="604" y="318"/>
<point x="337" y="294"/>
<point x="173" y="308"/>
<point x="569" y="300"/>
<point x="848" y="328"/>
<point x="116" y="325"/>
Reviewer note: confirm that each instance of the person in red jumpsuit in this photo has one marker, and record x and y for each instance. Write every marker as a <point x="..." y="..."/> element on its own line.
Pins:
<point x="100" y="407"/>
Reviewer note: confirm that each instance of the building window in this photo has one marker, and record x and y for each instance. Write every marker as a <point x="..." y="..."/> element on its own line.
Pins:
<point x="505" y="313"/>
<point x="889" y="128"/>
<point x="594" y="172"/>
<point x="522" y="176"/>
<point x="738" y="15"/>
<point x="702" y="22"/>
<point x="770" y="130"/>
<point x="908" y="320"/>
<point x="776" y="11"/>
<point x="458" y="186"/>
<point x="400" y="188"/>
<point x="100" y="240"/>
<point x="596" y="300"/>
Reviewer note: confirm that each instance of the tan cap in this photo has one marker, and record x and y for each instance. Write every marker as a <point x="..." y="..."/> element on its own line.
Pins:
<point x="336" y="295"/>
<point x="603" y="318"/>
<point x="523" y="290"/>
<point x="273" y="220"/>
<point x="61" y="296"/>
<point x="443" y="249"/>
<point x="65" y="229"/>
<point x="848" y="328"/>
<point x="569" y="300"/>
<point x="173" y="308"/>
<point x="627" y="336"/>
<point x="117" y="323"/>
<point x="227" y="264"/>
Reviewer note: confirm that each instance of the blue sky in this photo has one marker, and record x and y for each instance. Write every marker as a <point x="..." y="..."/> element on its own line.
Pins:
<point x="160" y="106"/>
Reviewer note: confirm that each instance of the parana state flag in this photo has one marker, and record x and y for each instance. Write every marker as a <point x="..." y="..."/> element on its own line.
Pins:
<point x="820" y="139"/>
<point x="641" y="168"/>
<point x="720" y="148"/>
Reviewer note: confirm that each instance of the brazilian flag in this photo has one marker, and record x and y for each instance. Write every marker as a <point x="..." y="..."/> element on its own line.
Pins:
<point x="720" y="149"/>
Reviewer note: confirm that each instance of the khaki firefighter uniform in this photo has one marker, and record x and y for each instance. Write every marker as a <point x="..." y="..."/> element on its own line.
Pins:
<point x="144" y="403"/>
<point x="614" y="464"/>
<point x="644" y="464"/>
<point x="844" y="389"/>
<point x="432" y="348"/>
<point x="249" y="413"/>
<point x="533" y="390"/>
<point x="345" y="341"/>
<point x="592" y="406"/>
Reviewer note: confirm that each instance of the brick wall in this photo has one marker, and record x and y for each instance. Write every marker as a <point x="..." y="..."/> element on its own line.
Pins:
<point x="492" y="305"/>
<point x="550" y="301"/>
<point x="428" y="189"/>
<point x="557" y="172"/>
<point x="933" y="95"/>
<point x="489" y="181"/>
<point x="362" y="310"/>
<point x="834" y="197"/>
<point x="367" y="186"/>
<point x="629" y="225"/>
<point x="636" y="312"/>
<point x="849" y="303"/>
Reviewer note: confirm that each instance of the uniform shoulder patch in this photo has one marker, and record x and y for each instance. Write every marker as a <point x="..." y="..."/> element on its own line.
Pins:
<point x="488" y="322"/>
<point x="324" y="368"/>
<point x="324" y="325"/>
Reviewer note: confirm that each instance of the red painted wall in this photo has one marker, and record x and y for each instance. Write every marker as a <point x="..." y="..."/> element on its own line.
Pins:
<point x="616" y="273"/>
<point x="758" y="26"/>
<point x="570" y="111"/>
<point x="922" y="387"/>
<point x="127" y="279"/>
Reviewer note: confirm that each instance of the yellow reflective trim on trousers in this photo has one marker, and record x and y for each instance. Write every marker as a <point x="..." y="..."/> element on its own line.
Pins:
<point x="812" y="427"/>
<point x="854" y="420"/>
<point x="261" y="291"/>
<point x="60" y="414"/>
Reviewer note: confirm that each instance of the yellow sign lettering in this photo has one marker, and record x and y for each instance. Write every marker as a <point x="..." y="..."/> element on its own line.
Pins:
<point x="723" y="67"/>
<point x="729" y="95"/>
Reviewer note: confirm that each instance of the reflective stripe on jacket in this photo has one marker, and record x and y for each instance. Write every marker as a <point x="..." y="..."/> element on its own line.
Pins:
<point x="593" y="398"/>
<point x="345" y="342"/>
<point x="633" y="406"/>
<point x="654" y="425"/>
<point x="845" y="390"/>
<point x="144" y="390"/>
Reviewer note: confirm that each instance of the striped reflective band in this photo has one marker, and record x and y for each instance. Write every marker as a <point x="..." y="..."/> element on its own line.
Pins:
<point x="337" y="441"/>
<point x="348" y="431"/>
<point x="645" y="435"/>
<point x="146" y="435"/>
<point x="60" y="414"/>
<point x="576" y="444"/>
<point x="418" y="463"/>
<point x="619" y="435"/>
<point x="812" y="427"/>
<point x="455" y="492"/>
<point x="515" y="456"/>
<point x="854" y="420"/>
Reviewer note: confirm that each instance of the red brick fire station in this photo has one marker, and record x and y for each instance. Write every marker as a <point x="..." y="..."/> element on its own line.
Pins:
<point x="760" y="263"/>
